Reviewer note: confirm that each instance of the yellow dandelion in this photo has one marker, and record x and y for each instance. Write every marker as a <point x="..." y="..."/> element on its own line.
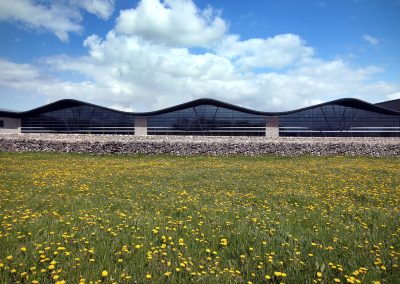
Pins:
<point x="104" y="273"/>
<point x="223" y="242"/>
<point x="279" y="274"/>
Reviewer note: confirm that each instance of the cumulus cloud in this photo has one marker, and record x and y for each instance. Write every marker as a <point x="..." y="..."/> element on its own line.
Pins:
<point x="60" y="17"/>
<point x="139" y="69"/>
<point x="101" y="8"/>
<point x="122" y="108"/>
<point x="27" y="77"/>
<point x="394" y="96"/>
<point x="274" y="52"/>
<point x="174" y="22"/>
<point x="370" y="39"/>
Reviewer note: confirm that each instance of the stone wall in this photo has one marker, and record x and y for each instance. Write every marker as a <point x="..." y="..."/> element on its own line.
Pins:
<point x="189" y="145"/>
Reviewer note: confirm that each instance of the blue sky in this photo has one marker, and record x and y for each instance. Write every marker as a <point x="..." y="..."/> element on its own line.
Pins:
<point x="149" y="54"/>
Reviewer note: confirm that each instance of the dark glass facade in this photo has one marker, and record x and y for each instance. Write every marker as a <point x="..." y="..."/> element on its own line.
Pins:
<point x="79" y="119"/>
<point x="337" y="120"/>
<point x="206" y="120"/>
<point x="345" y="117"/>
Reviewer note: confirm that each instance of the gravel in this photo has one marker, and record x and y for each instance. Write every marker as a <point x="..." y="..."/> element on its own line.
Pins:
<point x="193" y="145"/>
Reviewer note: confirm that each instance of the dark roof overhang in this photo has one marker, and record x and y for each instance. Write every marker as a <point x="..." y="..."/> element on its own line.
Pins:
<point x="392" y="104"/>
<point x="66" y="103"/>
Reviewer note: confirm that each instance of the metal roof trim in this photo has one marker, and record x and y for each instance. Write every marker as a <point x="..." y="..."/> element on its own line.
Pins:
<point x="349" y="102"/>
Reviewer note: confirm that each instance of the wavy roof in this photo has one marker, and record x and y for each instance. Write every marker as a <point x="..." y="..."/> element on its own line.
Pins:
<point x="348" y="102"/>
<point x="393" y="104"/>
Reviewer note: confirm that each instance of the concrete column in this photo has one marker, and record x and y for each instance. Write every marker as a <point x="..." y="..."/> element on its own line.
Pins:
<point x="272" y="126"/>
<point x="10" y="125"/>
<point x="140" y="126"/>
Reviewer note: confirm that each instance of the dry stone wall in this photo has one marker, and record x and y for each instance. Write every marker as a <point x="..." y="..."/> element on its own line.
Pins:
<point x="194" y="145"/>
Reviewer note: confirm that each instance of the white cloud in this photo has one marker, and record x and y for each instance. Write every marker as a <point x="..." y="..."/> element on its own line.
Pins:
<point x="394" y="96"/>
<point x="174" y="22"/>
<point x="34" y="15"/>
<point x="275" y="52"/>
<point x="26" y="77"/>
<point x="371" y="40"/>
<point x="101" y="8"/>
<point x="122" y="108"/>
<point x="139" y="72"/>
<point x="60" y="18"/>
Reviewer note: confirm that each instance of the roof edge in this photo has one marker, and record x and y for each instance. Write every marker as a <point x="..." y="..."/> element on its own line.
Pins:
<point x="351" y="102"/>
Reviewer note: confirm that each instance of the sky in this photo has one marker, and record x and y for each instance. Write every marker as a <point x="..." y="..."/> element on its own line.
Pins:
<point x="150" y="54"/>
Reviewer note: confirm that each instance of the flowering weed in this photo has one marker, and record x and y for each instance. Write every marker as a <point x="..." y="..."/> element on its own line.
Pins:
<point x="68" y="218"/>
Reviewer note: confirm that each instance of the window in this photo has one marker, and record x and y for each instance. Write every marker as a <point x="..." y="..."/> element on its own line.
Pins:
<point x="1" y="123"/>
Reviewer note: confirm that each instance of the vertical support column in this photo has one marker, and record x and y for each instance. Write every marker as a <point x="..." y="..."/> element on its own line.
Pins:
<point x="10" y="125"/>
<point x="19" y="125"/>
<point x="272" y="126"/>
<point x="140" y="126"/>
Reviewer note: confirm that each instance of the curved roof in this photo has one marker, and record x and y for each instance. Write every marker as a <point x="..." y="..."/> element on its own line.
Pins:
<point x="348" y="102"/>
<point x="393" y="104"/>
<point x="344" y="102"/>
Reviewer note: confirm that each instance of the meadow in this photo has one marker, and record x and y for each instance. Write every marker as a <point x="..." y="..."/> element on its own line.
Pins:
<point x="77" y="218"/>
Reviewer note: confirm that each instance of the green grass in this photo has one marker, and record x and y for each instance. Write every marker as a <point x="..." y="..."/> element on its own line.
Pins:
<point x="292" y="220"/>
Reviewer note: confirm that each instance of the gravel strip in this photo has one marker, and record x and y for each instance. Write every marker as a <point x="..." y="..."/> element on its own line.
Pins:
<point x="192" y="145"/>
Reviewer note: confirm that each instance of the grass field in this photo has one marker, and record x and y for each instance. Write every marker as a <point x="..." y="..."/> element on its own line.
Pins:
<point x="236" y="219"/>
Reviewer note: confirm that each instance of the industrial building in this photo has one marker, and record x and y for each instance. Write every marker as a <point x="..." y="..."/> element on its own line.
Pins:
<point x="343" y="117"/>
